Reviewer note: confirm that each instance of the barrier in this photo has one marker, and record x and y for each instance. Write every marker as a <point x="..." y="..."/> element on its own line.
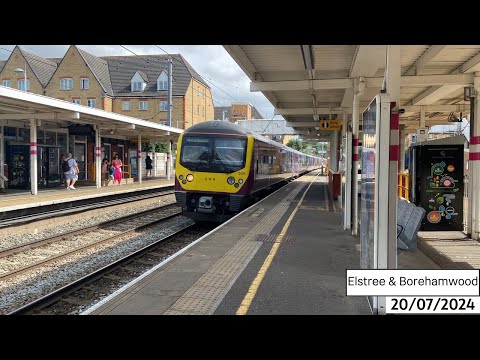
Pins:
<point x="334" y="184"/>
<point x="403" y="189"/>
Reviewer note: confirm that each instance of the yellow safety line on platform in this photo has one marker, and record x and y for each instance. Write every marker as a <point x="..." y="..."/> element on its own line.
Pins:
<point x="252" y="290"/>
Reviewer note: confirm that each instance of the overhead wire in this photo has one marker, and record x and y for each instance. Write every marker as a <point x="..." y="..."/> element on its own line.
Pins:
<point x="210" y="81"/>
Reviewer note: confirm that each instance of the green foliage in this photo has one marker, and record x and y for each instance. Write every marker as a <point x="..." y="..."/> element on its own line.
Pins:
<point x="159" y="147"/>
<point x="307" y="147"/>
<point x="295" y="144"/>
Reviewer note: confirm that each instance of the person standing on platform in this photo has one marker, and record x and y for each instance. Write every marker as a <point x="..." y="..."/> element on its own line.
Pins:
<point x="105" y="172"/>
<point x="148" y="166"/>
<point x="117" y="175"/>
<point x="70" y="170"/>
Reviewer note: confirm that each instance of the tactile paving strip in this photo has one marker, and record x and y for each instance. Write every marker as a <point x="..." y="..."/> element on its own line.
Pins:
<point x="207" y="293"/>
<point x="267" y="238"/>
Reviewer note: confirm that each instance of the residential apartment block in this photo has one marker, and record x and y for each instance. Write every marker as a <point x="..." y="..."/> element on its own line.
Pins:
<point x="136" y="86"/>
<point x="237" y="111"/>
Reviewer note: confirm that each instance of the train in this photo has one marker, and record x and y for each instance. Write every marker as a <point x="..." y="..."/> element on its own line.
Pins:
<point x="221" y="168"/>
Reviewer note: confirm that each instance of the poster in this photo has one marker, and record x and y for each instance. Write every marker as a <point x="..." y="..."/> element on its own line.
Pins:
<point x="441" y="187"/>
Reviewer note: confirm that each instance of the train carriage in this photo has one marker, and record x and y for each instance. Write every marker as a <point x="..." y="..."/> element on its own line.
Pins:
<point x="221" y="166"/>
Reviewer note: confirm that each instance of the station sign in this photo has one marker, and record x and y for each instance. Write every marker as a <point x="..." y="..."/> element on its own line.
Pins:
<point x="331" y="125"/>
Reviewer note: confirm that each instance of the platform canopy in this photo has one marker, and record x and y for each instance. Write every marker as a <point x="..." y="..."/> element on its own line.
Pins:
<point x="307" y="83"/>
<point x="17" y="105"/>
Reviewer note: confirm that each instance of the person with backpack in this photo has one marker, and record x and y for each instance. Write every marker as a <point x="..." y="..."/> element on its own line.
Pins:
<point x="70" y="170"/>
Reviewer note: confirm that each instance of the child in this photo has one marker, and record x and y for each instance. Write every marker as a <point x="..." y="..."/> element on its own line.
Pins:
<point x="105" y="172"/>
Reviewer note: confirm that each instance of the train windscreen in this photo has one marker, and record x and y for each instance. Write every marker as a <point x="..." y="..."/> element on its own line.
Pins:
<point x="213" y="153"/>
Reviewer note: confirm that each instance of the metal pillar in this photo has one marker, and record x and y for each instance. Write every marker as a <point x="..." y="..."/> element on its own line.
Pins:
<point x="333" y="151"/>
<point x="422" y="117"/>
<point x="98" y="158"/>
<point x="169" y="159"/>
<point x="474" y="163"/>
<point x="359" y="86"/>
<point x="348" y="174"/>
<point x="139" y="159"/>
<point x="154" y="162"/>
<point x="33" y="157"/>
<point x="392" y="75"/>
<point x="469" y="187"/>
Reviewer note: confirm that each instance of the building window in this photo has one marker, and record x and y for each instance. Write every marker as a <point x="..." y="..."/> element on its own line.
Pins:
<point x="163" y="105"/>
<point x="162" y="82"/>
<point x="66" y="84"/>
<point x="126" y="105"/>
<point x="198" y="109"/>
<point x="77" y="101"/>
<point x="92" y="103"/>
<point x="21" y="85"/>
<point x="137" y="86"/>
<point x="6" y="83"/>
<point x="143" y="105"/>
<point x="84" y="84"/>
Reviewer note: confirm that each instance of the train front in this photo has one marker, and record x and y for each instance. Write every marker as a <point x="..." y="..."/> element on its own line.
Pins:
<point x="213" y="173"/>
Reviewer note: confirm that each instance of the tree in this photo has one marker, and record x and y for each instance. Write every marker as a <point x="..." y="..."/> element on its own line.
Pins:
<point x="159" y="147"/>
<point x="295" y="144"/>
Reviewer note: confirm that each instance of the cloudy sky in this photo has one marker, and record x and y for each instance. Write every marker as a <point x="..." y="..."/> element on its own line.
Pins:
<point x="227" y="81"/>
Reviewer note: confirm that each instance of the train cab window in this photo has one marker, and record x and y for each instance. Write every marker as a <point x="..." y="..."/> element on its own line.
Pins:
<point x="213" y="153"/>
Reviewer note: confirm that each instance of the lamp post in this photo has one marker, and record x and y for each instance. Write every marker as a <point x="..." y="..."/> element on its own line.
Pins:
<point x="20" y="70"/>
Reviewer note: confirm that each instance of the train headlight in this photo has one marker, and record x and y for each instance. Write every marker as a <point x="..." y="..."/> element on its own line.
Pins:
<point x="181" y="177"/>
<point x="189" y="177"/>
<point x="184" y="181"/>
<point x="240" y="181"/>
<point x="231" y="180"/>
<point x="236" y="185"/>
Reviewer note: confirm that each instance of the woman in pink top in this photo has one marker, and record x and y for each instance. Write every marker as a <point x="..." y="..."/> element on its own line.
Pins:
<point x="117" y="175"/>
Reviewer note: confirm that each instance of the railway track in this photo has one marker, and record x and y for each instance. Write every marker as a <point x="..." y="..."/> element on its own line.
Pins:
<point x="84" y="292"/>
<point x="62" y="211"/>
<point x="27" y="257"/>
<point x="30" y="271"/>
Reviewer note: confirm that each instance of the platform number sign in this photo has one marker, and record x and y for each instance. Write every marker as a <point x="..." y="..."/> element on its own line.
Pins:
<point x="330" y="125"/>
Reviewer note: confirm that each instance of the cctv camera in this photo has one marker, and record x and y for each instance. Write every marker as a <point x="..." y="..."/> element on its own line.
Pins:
<point x="401" y="111"/>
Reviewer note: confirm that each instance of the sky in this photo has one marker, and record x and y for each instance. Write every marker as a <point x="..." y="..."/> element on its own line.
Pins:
<point x="227" y="81"/>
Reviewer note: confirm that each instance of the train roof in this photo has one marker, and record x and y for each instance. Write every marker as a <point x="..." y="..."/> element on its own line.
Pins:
<point x="226" y="127"/>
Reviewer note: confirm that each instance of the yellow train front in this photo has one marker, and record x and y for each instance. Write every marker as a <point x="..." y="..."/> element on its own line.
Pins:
<point x="221" y="167"/>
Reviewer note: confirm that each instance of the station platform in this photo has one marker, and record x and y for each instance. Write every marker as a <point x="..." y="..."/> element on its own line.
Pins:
<point x="288" y="254"/>
<point x="450" y="249"/>
<point x="17" y="200"/>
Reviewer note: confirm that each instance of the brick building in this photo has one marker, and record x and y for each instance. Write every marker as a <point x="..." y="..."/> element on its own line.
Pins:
<point x="131" y="85"/>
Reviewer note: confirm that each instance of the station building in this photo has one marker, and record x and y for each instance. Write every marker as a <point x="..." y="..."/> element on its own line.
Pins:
<point x="134" y="86"/>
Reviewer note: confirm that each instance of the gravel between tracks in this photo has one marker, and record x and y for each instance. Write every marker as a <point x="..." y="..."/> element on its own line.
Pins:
<point x="30" y="286"/>
<point x="12" y="240"/>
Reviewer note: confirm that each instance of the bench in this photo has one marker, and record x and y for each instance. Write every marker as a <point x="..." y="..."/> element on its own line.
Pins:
<point x="409" y="220"/>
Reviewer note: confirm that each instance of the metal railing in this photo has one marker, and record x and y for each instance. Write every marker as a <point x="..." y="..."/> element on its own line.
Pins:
<point x="126" y="170"/>
<point x="403" y="189"/>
